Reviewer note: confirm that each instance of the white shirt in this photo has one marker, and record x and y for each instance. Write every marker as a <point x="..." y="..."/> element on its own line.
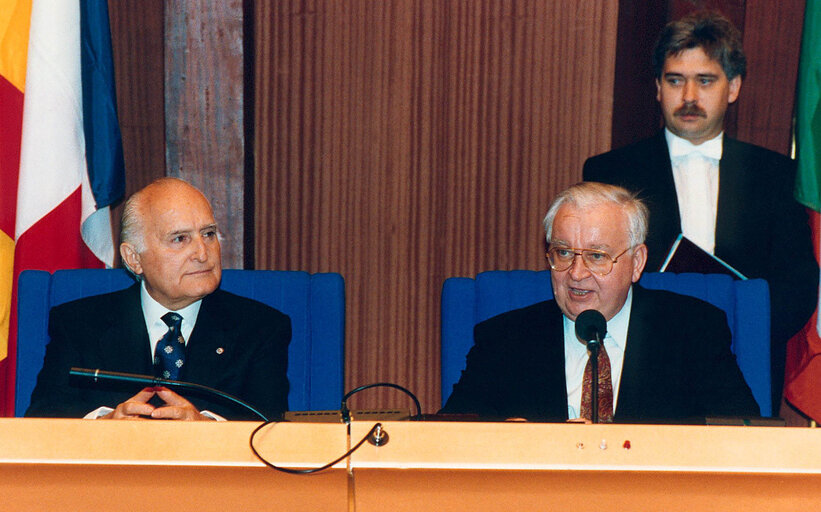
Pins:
<point x="695" y="173"/>
<point x="576" y="356"/>
<point x="153" y="312"/>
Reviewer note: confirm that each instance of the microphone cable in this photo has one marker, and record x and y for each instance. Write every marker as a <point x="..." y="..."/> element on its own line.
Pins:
<point x="307" y="471"/>
<point x="346" y="413"/>
<point x="346" y="417"/>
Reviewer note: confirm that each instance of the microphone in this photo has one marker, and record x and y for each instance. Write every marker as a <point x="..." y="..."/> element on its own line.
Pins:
<point x="97" y="375"/>
<point x="591" y="328"/>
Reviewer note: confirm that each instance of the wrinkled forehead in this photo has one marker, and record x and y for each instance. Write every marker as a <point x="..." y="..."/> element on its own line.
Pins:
<point x="593" y="226"/>
<point x="176" y="207"/>
<point x="696" y="58"/>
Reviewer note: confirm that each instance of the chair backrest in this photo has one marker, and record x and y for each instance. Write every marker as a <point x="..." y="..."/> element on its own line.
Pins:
<point x="467" y="301"/>
<point x="314" y="302"/>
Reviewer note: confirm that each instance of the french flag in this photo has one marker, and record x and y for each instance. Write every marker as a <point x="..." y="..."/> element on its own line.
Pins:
<point x="61" y="166"/>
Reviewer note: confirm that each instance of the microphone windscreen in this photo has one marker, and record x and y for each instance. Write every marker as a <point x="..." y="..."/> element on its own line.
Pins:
<point x="589" y="323"/>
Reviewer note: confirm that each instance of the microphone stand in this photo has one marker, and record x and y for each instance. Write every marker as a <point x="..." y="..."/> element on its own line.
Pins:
<point x="145" y="380"/>
<point x="593" y="346"/>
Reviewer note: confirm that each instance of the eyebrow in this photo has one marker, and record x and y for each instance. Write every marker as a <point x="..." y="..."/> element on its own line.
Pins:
<point x="595" y="247"/>
<point x="675" y="74"/>
<point x="190" y="230"/>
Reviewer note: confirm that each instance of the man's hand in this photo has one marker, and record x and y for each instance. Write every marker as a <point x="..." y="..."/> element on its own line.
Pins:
<point x="178" y="408"/>
<point x="137" y="407"/>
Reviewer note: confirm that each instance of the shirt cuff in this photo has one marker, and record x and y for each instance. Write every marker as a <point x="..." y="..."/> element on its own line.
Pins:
<point x="97" y="413"/>
<point x="102" y="411"/>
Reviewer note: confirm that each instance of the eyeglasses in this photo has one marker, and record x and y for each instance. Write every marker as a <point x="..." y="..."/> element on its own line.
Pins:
<point x="598" y="262"/>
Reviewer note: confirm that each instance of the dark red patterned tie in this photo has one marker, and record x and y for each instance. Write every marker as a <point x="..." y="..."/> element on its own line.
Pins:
<point x="605" y="389"/>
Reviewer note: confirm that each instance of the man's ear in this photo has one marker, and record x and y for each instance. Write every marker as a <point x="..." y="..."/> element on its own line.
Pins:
<point x="639" y="260"/>
<point x="131" y="258"/>
<point x="658" y="90"/>
<point x="735" y="88"/>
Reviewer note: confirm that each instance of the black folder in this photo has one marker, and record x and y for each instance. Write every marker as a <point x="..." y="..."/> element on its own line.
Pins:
<point x="686" y="256"/>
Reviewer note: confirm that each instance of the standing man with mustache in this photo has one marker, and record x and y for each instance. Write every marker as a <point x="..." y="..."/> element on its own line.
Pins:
<point x="732" y="199"/>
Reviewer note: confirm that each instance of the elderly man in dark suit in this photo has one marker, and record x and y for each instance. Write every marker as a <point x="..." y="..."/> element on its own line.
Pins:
<point x="665" y="357"/>
<point x="174" y="322"/>
<point x="731" y="198"/>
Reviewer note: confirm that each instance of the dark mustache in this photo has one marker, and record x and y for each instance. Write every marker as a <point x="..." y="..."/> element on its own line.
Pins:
<point x="690" y="110"/>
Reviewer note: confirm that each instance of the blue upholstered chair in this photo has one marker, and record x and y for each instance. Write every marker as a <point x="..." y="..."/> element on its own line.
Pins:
<point x="315" y="303"/>
<point x="467" y="301"/>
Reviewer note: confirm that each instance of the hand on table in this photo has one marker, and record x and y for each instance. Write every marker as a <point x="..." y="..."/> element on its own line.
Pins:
<point x="137" y="407"/>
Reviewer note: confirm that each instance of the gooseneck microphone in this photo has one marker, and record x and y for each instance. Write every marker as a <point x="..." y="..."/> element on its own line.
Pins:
<point x="97" y="375"/>
<point x="591" y="327"/>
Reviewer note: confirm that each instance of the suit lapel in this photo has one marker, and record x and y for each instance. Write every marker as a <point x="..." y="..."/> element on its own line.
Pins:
<point x="211" y="338"/>
<point x="551" y="353"/>
<point x="733" y="185"/>
<point x="663" y="184"/>
<point x="639" y="342"/>
<point x="658" y="190"/>
<point x="124" y="338"/>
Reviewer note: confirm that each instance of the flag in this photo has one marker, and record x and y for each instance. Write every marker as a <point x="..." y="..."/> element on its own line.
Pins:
<point x="61" y="157"/>
<point x="803" y="372"/>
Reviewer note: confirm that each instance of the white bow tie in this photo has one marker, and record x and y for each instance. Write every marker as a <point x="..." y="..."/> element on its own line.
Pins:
<point x="682" y="147"/>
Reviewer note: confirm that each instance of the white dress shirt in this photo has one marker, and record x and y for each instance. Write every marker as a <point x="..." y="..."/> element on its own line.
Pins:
<point x="576" y="356"/>
<point x="153" y="312"/>
<point x="695" y="173"/>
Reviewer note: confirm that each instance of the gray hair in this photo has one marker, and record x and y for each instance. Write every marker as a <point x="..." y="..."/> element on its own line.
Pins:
<point x="589" y="194"/>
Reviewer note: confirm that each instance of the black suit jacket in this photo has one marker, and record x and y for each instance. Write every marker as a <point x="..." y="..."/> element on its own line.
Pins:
<point x="108" y="332"/>
<point x="760" y="229"/>
<point x="677" y="365"/>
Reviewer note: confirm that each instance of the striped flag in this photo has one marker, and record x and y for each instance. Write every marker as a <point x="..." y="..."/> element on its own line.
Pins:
<point x="803" y="371"/>
<point x="61" y="163"/>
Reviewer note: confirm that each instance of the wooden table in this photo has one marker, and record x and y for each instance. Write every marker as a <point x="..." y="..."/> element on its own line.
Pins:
<point x="50" y="464"/>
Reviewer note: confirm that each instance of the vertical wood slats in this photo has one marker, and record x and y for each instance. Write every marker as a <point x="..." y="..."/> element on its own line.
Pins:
<point x="772" y="39"/>
<point x="137" y="44"/>
<point x="406" y="141"/>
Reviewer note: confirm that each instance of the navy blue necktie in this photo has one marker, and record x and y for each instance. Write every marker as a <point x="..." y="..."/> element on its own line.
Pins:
<point x="169" y="356"/>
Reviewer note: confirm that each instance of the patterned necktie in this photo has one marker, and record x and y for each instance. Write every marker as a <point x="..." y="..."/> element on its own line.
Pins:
<point x="169" y="356"/>
<point x="605" y="389"/>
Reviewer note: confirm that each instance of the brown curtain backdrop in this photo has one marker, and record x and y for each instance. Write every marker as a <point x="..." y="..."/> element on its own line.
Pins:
<point x="137" y="38"/>
<point x="403" y="142"/>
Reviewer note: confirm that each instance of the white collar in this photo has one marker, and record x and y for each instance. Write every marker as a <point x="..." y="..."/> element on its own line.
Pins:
<point x="683" y="147"/>
<point x="153" y="310"/>
<point x="616" y="326"/>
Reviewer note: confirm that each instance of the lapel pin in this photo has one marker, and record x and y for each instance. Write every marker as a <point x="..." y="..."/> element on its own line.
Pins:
<point x="220" y="351"/>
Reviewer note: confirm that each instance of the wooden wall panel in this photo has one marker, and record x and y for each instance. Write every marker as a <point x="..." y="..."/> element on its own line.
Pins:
<point x="405" y="141"/>
<point x="636" y="114"/>
<point x="204" y="102"/>
<point x="772" y="40"/>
